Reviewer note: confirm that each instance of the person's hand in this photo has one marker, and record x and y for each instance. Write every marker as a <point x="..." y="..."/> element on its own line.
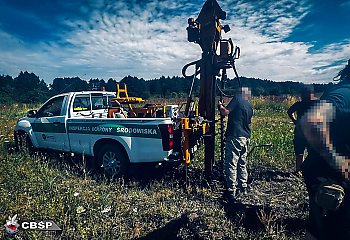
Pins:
<point x="219" y="105"/>
<point x="345" y="168"/>
<point x="298" y="173"/>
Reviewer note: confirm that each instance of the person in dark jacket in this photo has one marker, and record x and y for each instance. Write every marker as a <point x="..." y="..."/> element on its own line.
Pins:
<point x="239" y="112"/>
<point x="327" y="130"/>
<point x="298" y="109"/>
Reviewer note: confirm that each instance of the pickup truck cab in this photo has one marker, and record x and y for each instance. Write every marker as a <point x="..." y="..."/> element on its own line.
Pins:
<point x="78" y="122"/>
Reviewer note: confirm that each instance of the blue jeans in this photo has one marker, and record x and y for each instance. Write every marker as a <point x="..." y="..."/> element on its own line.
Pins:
<point x="235" y="164"/>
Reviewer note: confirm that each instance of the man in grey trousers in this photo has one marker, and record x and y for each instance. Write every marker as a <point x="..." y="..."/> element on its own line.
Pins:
<point x="240" y="113"/>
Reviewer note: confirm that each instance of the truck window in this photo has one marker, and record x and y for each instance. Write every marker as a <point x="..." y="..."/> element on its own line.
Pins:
<point x="96" y="102"/>
<point x="100" y="101"/>
<point x="81" y="103"/>
<point x="52" y="108"/>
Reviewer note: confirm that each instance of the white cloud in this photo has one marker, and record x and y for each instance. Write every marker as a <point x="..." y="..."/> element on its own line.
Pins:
<point x="123" y="38"/>
<point x="260" y="28"/>
<point x="133" y="42"/>
<point x="269" y="17"/>
<point x="266" y="58"/>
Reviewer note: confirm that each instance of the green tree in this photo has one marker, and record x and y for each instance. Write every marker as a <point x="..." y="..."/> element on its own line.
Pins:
<point x="97" y="84"/>
<point x="29" y="88"/>
<point x="6" y="89"/>
<point x="111" y="85"/>
<point x="62" y="85"/>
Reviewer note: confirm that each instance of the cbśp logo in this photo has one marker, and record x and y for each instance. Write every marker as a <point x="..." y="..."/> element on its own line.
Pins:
<point x="11" y="226"/>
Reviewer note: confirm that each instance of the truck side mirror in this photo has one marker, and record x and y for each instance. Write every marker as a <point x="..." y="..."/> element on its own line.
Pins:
<point x="32" y="113"/>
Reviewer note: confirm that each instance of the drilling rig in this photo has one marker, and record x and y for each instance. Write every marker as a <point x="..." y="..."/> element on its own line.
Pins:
<point x="218" y="55"/>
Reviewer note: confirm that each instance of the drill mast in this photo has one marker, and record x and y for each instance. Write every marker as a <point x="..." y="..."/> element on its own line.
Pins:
<point x="206" y="31"/>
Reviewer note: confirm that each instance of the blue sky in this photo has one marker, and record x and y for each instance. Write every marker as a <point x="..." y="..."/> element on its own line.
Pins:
<point x="285" y="40"/>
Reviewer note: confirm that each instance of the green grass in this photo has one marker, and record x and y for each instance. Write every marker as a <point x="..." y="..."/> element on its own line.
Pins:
<point x="271" y="125"/>
<point x="87" y="206"/>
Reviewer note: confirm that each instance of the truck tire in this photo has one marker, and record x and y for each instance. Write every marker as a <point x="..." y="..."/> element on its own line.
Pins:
<point x="23" y="143"/>
<point x="113" y="160"/>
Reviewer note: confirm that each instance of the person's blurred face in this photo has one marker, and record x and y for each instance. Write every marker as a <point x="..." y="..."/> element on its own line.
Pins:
<point x="245" y="92"/>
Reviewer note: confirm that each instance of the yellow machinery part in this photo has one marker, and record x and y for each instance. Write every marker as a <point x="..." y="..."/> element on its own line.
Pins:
<point x="196" y="109"/>
<point x="218" y="27"/>
<point x="122" y="90"/>
<point x="186" y="140"/>
<point x="129" y="100"/>
<point x="126" y="99"/>
<point x="205" y="128"/>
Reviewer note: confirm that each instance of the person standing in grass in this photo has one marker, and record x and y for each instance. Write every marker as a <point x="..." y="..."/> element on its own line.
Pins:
<point x="239" y="112"/>
<point x="299" y="108"/>
<point x="327" y="130"/>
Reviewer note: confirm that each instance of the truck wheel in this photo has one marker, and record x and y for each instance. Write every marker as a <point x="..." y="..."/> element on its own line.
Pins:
<point x="113" y="160"/>
<point x="30" y="146"/>
<point x="23" y="143"/>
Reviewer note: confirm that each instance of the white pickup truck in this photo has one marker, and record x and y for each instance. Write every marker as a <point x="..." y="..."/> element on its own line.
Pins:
<point x="78" y="122"/>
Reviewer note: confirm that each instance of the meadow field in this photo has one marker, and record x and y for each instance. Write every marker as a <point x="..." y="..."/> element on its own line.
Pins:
<point x="157" y="202"/>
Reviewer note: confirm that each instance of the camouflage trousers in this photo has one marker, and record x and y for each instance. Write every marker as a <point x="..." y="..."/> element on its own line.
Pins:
<point x="235" y="163"/>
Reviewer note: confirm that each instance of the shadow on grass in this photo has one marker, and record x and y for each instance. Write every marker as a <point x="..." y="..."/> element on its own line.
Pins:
<point x="143" y="173"/>
<point x="146" y="174"/>
<point x="169" y="231"/>
<point x="245" y="215"/>
<point x="250" y="216"/>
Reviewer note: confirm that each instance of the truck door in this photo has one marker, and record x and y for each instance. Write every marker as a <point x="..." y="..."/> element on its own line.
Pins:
<point x="78" y="128"/>
<point x="49" y="127"/>
<point x="86" y="106"/>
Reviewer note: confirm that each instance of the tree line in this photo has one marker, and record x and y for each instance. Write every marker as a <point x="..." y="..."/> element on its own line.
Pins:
<point x="29" y="88"/>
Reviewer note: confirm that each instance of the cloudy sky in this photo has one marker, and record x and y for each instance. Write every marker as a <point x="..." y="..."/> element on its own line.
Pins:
<point x="285" y="40"/>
